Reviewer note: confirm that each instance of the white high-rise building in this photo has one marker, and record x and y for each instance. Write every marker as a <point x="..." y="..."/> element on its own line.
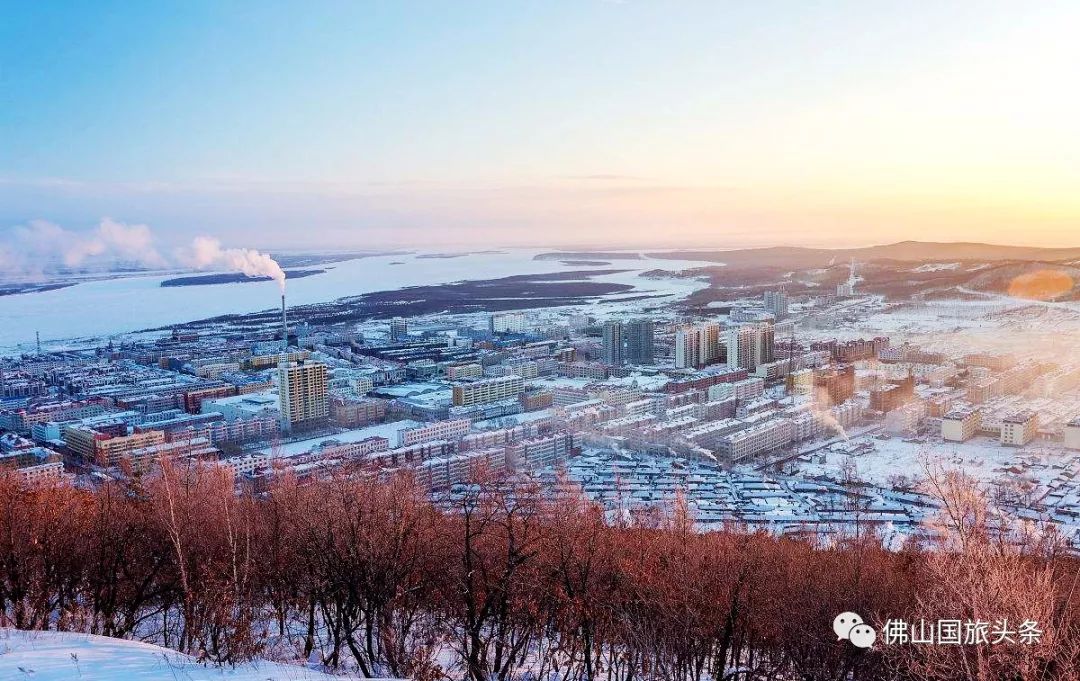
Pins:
<point x="687" y="350"/>
<point x="750" y="345"/>
<point x="697" y="345"/>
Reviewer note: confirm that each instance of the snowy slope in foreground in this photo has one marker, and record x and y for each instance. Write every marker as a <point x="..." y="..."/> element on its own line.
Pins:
<point x="52" y="656"/>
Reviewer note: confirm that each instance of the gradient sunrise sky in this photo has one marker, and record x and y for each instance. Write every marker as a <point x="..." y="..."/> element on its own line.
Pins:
<point x="715" y="124"/>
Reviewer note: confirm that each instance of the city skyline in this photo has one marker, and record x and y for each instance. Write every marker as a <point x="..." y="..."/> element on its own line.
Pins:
<point x="606" y="339"/>
<point x="591" y="124"/>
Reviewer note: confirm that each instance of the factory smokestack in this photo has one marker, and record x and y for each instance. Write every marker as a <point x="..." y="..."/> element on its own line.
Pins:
<point x="284" y="324"/>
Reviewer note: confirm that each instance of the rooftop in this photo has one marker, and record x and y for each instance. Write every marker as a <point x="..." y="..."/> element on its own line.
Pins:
<point x="1019" y="417"/>
<point x="391" y="431"/>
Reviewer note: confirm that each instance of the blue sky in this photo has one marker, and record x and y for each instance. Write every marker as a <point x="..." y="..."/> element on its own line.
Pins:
<point x="370" y="123"/>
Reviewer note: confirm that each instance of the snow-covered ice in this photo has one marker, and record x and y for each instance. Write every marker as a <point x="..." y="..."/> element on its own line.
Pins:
<point x="126" y="304"/>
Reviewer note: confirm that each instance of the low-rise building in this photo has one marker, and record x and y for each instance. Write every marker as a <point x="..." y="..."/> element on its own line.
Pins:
<point x="960" y="425"/>
<point x="104" y="449"/>
<point x="905" y="419"/>
<point x="439" y="430"/>
<point x="244" y="406"/>
<point x="1072" y="434"/>
<point x="458" y="372"/>
<point x="549" y="450"/>
<point x="746" y="389"/>
<point x="488" y="390"/>
<point x="1019" y="429"/>
<point x="756" y="439"/>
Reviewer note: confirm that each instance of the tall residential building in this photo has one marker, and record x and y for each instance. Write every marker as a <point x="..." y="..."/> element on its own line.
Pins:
<point x="398" y="328"/>
<point x="765" y="347"/>
<point x="687" y="348"/>
<point x="750" y="345"/>
<point x="697" y="345"/>
<point x="302" y="392"/>
<point x="712" y="347"/>
<point x="638" y="334"/>
<point x="776" y="302"/>
<point x="613" y="343"/>
<point x="739" y="341"/>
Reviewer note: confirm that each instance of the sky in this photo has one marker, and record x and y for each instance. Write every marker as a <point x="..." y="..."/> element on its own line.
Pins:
<point x="367" y="124"/>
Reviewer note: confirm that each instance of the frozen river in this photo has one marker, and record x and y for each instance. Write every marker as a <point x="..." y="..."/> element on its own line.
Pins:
<point x="99" y="309"/>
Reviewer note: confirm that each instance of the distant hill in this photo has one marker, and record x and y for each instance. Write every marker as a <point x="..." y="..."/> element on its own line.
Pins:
<point x="907" y="251"/>
<point x="959" y="250"/>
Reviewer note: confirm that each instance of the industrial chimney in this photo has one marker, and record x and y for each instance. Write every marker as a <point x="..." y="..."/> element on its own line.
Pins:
<point x="284" y="324"/>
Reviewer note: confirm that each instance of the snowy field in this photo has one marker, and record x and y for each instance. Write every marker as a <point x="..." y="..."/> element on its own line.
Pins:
<point x="53" y="656"/>
<point x="1040" y="481"/>
<point x="991" y="324"/>
<point x="878" y="461"/>
<point x="102" y="308"/>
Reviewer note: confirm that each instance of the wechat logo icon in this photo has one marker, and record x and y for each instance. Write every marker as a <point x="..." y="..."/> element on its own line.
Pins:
<point x="850" y="626"/>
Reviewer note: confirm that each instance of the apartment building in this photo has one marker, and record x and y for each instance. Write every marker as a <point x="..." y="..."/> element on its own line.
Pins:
<point x="1019" y="429"/>
<point x="488" y="390"/>
<point x="756" y="439"/>
<point x="302" y="393"/>
<point x="458" y="372"/>
<point x="439" y="430"/>
<point x="960" y="425"/>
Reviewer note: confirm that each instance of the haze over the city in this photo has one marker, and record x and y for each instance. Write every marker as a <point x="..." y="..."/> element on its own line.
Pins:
<point x="299" y="125"/>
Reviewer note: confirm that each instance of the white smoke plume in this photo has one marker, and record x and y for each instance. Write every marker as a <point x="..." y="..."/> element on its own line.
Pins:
<point x="134" y="243"/>
<point x="38" y="249"/>
<point x="824" y="414"/>
<point x="206" y="252"/>
<point x="829" y="420"/>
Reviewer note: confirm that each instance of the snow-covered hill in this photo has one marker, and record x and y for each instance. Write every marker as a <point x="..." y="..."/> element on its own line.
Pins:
<point x="52" y="656"/>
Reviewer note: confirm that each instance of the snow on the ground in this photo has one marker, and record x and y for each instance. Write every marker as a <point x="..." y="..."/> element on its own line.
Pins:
<point x="877" y="460"/>
<point x="936" y="267"/>
<point x="935" y="317"/>
<point x="63" y="656"/>
<point x="391" y="431"/>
